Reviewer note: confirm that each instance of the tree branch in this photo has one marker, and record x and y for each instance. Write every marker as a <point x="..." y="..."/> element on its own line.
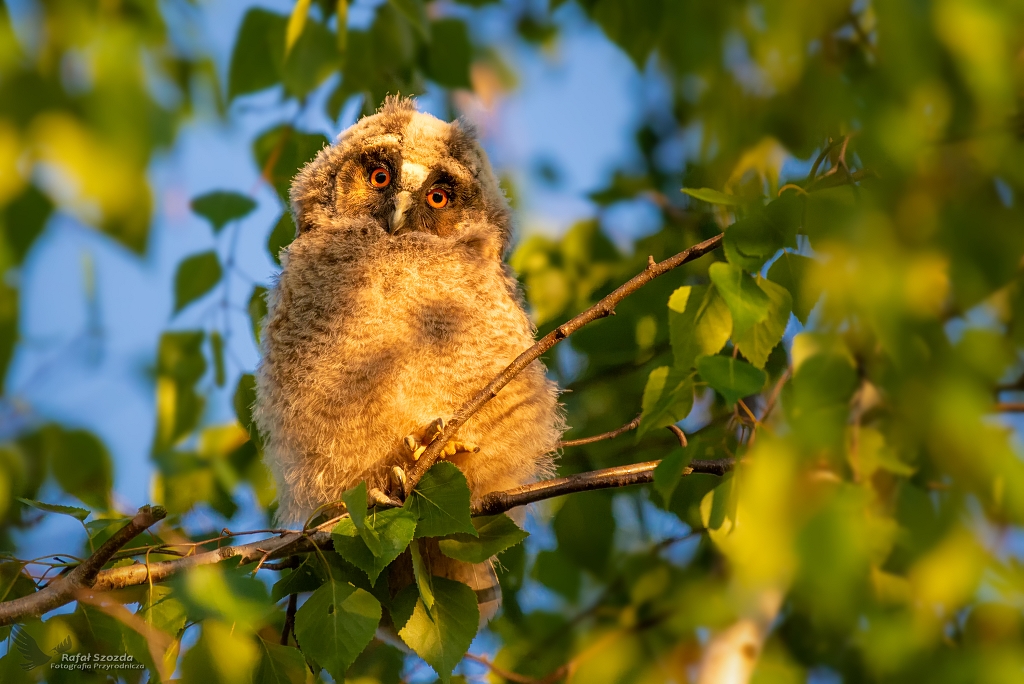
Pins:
<point x="631" y="425"/>
<point x="602" y="309"/>
<point x="65" y="588"/>
<point x="88" y="575"/>
<point x="621" y="476"/>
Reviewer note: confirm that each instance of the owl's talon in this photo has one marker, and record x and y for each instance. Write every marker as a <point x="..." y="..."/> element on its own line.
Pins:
<point x="417" y="442"/>
<point x="381" y="499"/>
<point x="410" y="443"/>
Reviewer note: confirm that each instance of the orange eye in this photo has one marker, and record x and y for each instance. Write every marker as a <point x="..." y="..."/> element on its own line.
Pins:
<point x="437" y="198"/>
<point x="380" y="177"/>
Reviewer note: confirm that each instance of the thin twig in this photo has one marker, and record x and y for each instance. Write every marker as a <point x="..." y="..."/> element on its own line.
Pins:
<point x="502" y="672"/>
<point x="63" y="589"/>
<point x="289" y="618"/>
<point x="1010" y="407"/>
<point x="680" y="435"/>
<point x="602" y="309"/>
<point x="631" y="425"/>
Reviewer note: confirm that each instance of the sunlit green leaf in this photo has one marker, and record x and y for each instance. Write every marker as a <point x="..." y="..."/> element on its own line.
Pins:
<point x="668" y="398"/>
<point x="747" y="303"/>
<point x="393" y="529"/>
<point x="442" y="635"/>
<point x="713" y="196"/>
<point x="757" y="341"/>
<point x="335" y="624"/>
<point x="732" y="378"/>
<point x="79" y="513"/>
<point x="699" y="323"/>
<point x="440" y="502"/>
<point x="495" y="534"/>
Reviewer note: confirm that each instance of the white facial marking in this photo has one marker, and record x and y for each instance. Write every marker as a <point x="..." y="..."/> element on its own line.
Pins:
<point x="413" y="175"/>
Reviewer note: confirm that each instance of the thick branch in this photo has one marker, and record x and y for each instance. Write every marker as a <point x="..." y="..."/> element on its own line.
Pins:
<point x="63" y="590"/>
<point x="621" y="476"/>
<point x="604" y="308"/>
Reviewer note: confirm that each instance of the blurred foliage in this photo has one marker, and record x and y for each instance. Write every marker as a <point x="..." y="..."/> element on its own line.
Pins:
<point x="850" y="345"/>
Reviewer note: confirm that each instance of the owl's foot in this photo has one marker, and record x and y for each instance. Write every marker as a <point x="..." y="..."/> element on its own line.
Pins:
<point x="417" y="442"/>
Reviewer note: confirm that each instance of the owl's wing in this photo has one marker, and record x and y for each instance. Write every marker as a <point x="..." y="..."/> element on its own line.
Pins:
<point x="28" y="648"/>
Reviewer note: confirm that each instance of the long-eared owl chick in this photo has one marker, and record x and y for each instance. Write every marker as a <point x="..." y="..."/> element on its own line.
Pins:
<point x="393" y="307"/>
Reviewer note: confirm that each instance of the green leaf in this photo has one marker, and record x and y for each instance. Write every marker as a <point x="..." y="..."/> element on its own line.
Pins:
<point x="335" y="624"/>
<point x="699" y="324"/>
<point x="668" y="398"/>
<point x="555" y="571"/>
<point x="282" y="151"/>
<point x="440" y="502"/>
<point x="495" y="534"/>
<point x="585" y="527"/>
<point x="670" y="471"/>
<point x="355" y="504"/>
<point x="312" y="59"/>
<point x="719" y="505"/>
<point x="281" y="236"/>
<point x="304" y="578"/>
<point x="747" y="303"/>
<point x="197" y="275"/>
<point x="732" y="378"/>
<point x="713" y="196"/>
<point x="415" y="13"/>
<point x="755" y="239"/>
<point x="180" y="364"/>
<point x="296" y="22"/>
<point x="79" y="461"/>
<point x="221" y="207"/>
<point x="279" y="664"/>
<point x="78" y="513"/>
<point x="224" y="591"/>
<point x="757" y="342"/>
<point x="258" y="311"/>
<point x="442" y="635"/>
<point x="450" y="54"/>
<point x="217" y="351"/>
<point x="790" y="271"/>
<point x="258" y="56"/>
<point x="424" y="580"/>
<point x="245" y="398"/>
<point x="394" y="528"/>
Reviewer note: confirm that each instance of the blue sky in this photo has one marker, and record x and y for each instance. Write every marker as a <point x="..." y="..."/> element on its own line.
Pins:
<point x="87" y="350"/>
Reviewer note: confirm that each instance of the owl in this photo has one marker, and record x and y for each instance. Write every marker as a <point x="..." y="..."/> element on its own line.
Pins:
<point x="392" y="308"/>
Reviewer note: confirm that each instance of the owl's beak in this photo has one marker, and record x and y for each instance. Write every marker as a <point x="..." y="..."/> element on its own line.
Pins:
<point x="403" y="201"/>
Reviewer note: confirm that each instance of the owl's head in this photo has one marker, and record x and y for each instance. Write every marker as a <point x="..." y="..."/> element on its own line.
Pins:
<point x="404" y="171"/>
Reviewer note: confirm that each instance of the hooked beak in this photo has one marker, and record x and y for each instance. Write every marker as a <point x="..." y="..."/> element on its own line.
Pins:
<point x="403" y="201"/>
